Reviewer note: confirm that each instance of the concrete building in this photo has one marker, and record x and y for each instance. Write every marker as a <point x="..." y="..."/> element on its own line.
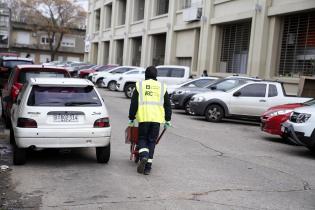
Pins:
<point x="26" y="39"/>
<point x="272" y="39"/>
<point x="4" y="26"/>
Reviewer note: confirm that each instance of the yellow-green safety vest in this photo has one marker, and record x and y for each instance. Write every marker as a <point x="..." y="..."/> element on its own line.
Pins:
<point x="151" y="101"/>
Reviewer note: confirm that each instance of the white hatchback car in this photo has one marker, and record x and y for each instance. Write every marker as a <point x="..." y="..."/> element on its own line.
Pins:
<point x="63" y="113"/>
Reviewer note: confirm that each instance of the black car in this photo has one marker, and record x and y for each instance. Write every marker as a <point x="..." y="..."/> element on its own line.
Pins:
<point x="181" y="96"/>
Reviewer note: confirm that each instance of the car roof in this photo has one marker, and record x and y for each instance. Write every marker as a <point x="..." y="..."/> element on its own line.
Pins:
<point x="16" y="58"/>
<point x="60" y="82"/>
<point x="172" y="66"/>
<point x="243" y="77"/>
<point x="40" y="67"/>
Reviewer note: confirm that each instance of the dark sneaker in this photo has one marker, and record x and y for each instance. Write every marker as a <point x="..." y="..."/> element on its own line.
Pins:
<point x="147" y="171"/>
<point x="141" y="165"/>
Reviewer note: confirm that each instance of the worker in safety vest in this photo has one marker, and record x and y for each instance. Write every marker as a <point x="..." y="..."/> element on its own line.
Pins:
<point x="151" y="106"/>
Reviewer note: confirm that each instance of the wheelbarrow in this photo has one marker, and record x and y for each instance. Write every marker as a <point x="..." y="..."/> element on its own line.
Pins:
<point x="132" y="137"/>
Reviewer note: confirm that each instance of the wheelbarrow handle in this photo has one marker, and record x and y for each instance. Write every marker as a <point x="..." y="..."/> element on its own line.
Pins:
<point x="160" y="136"/>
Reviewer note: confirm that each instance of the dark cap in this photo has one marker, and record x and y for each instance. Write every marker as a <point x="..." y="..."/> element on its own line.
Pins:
<point x="151" y="73"/>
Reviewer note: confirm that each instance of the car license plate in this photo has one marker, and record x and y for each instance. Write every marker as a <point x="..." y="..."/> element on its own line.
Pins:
<point x="66" y="118"/>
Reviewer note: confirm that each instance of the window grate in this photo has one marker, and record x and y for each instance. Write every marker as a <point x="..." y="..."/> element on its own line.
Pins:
<point x="234" y="48"/>
<point x="297" y="57"/>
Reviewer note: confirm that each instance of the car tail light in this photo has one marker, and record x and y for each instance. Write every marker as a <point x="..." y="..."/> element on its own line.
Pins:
<point x="15" y="90"/>
<point x="101" y="123"/>
<point x="26" y="123"/>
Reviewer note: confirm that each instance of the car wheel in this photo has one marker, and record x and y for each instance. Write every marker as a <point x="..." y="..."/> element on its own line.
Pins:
<point x="214" y="113"/>
<point x="129" y="90"/>
<point x="112" y="85"/>
<point x="19" y="156"/>
<point x="99" y="82"/>
<point x="187" y="107"/>
<point x="103" y="154"/>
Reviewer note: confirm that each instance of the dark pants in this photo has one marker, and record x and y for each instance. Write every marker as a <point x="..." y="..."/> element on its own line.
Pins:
<point x="148" y="133"/>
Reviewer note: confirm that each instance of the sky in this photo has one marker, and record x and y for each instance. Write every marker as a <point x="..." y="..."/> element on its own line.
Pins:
<point x="83" y="3"/>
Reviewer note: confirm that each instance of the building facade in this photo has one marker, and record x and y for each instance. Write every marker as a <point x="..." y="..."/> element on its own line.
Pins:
<point x="271" y="39"/>
<point x="26" y="39"/>
<point x="4" y="26"/>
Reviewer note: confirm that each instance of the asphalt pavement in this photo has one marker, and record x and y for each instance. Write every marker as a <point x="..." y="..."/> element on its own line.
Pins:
<point x="197" y="165"/>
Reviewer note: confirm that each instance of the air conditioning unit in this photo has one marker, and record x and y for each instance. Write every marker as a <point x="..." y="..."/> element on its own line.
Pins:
<point x="192" y="14"/>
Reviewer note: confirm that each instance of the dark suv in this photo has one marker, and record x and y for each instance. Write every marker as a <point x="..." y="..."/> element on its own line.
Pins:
<point x="19" y="76"/>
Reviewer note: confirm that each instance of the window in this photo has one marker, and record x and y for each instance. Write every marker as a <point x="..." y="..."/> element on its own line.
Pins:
<point x="199" y="83"/>
<point x="184" y="61"/>
<point x="159" y="43"/>
<point x="120" y="70"/>
<point x="234" y="47"/>
<point x="139" y="10"/>
<point x="108" y="14"/>
<point x="119" y="51"/>
<point x="4" y="39"/>
<point x="122" y="4"/>
<point x="162" y="7"/>
<point x="63" y="96"/>
<point x="97" y="19"/>
<point x="184" y="4"/>
<point x="136" y="50"/>
<point x="68" y="42"/>
<point x="297" y="57"/>
<point x="46" y="40"/>
<point x="4" y="21"/>
<point x="23" y="38"/>
<point x="106" y="52"/>
<point x="272" y="91"/>
<point x="177" y="73"/>
<point x="162" y="72"/>
<point x="13" y="63"/>
<point x="227" y="84"/>
<point x="253" y="90"/>
<point x="133" y="72"/>
<point x="26" y="75"/>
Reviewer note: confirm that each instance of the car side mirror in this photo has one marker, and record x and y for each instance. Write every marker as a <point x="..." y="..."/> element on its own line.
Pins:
<point x="237" y="93"/>
<point x="213" y="87"/>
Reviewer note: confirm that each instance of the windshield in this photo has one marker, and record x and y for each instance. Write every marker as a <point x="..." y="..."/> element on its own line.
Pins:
<point x="14" y="63"/>
<point x="226" y="84"/>
<point x="26" y="75"/>
<point x="63" y="96"/>
<point x="309" y="103"/>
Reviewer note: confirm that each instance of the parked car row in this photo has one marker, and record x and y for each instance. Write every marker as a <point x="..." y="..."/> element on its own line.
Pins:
<point x="45" y="108"/>
<point x="124" y="78"/>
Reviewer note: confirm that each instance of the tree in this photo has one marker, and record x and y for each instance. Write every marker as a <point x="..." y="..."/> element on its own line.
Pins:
<point x="55" y="17"/>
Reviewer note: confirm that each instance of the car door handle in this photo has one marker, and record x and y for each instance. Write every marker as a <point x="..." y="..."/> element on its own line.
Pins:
<point x="262" y="100"/>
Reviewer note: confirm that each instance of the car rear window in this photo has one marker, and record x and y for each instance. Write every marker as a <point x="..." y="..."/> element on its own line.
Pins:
<point x="14" y="63"/>
<point x="26" y="75"/>
<point x="177" y="73"/>
<point x="63" y="96"/>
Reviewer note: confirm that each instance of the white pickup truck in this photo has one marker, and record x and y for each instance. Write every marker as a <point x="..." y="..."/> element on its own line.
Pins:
<point x="246" y="100"/>
<point x="170" y="75"/>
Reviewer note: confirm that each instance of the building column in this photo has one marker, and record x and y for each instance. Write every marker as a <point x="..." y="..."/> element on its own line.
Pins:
<point x="257" y="54"/>
<point x="170" y="45"/>
<point x="205" y="39"/>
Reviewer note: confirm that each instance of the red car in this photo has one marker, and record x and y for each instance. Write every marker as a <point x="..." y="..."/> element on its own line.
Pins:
<point x="272" y="119"/>
<point x="85" y="72"/>
<point x="18" y="77"/>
